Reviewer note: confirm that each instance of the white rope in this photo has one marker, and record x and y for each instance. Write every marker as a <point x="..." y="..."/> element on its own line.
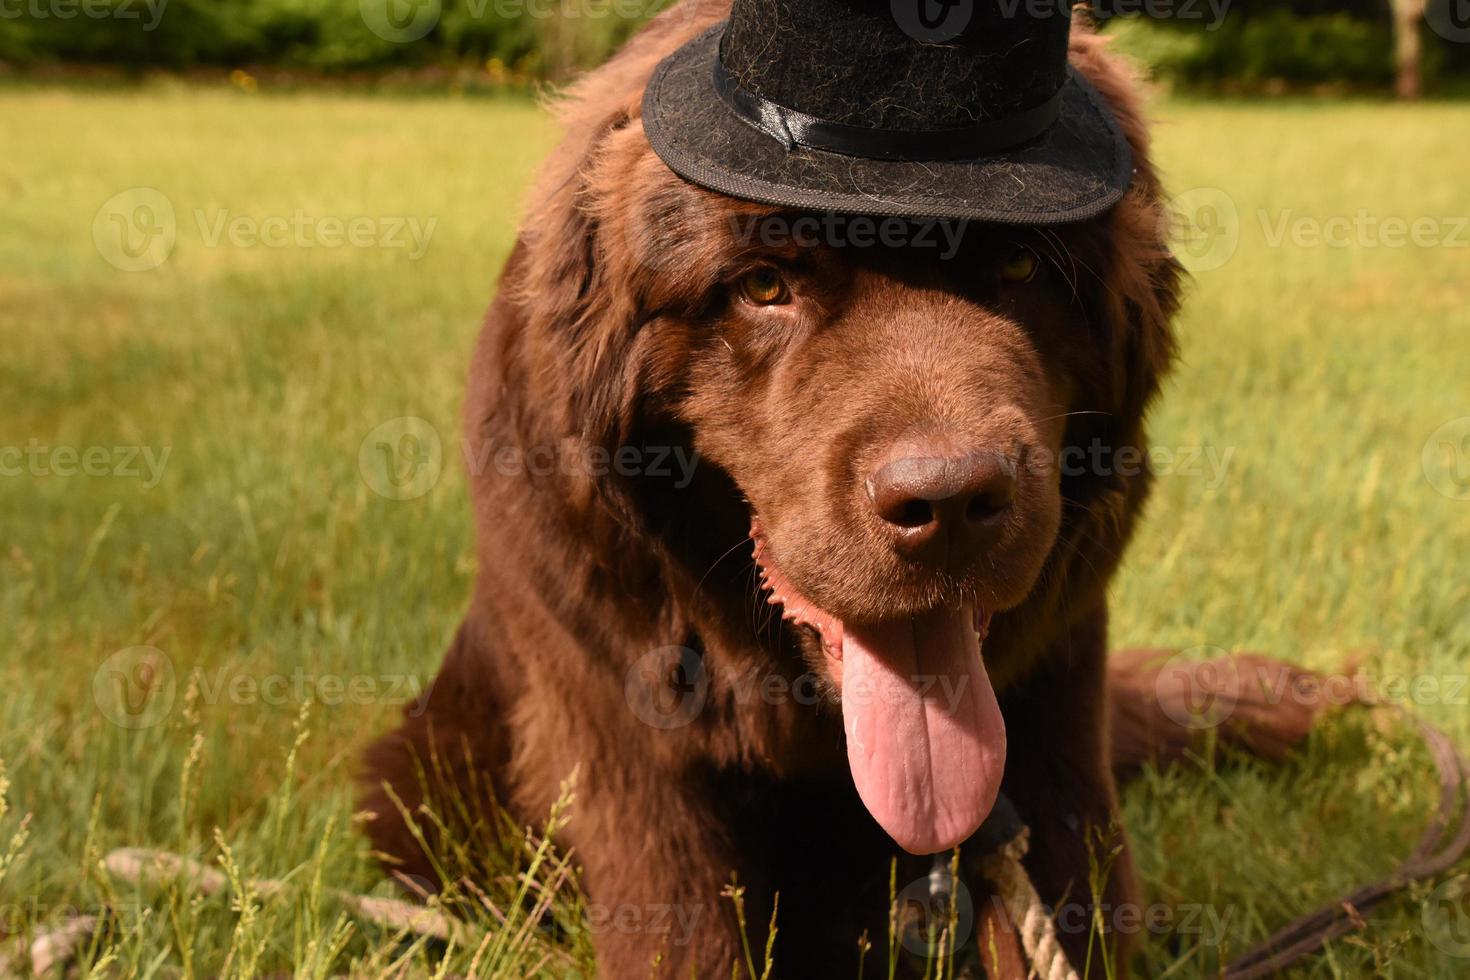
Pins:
<point x="58" y="947"/>
<point x="1033" y="919"/>
<point x="1003" y="868"/>
<point x="136" y="864"/>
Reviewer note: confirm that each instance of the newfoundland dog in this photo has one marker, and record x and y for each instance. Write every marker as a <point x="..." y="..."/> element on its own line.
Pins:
<point x="794" y="532"/>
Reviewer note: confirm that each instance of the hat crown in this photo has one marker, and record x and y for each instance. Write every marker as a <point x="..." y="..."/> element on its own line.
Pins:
<point x="899" y="64"/>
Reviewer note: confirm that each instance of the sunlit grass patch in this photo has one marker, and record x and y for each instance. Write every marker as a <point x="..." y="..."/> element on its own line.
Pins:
<point x="254" y="567"/>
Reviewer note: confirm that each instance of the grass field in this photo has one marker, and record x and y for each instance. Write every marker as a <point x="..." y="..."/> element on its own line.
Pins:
<point x="181" y="451"/>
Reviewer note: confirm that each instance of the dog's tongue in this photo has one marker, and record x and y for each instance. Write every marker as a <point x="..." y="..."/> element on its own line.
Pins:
<point x="925" y="738"/>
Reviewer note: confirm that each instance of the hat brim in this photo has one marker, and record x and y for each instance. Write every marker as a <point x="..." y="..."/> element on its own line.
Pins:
<point x="1076" y="170"/>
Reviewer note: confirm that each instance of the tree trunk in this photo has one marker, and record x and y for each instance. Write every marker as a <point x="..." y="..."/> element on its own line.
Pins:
<point x="1408" y="47"/>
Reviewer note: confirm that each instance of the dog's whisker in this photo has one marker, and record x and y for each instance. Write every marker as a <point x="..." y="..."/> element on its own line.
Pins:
<point x="715" y="564"/>
<point x="1067" y="415"/>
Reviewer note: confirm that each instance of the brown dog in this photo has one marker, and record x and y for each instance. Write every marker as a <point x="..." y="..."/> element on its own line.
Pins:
<point x="918" y="440"/>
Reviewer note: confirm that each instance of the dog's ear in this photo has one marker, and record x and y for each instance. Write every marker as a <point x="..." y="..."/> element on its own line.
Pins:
<point x="601" y="138"/>
<point x="576" y="298"/>
<point x="1141" y="282"/>
<point x="597" y="223"/>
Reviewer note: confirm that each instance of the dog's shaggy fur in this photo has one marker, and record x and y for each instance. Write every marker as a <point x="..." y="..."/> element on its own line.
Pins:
<point x="619" y="328"/>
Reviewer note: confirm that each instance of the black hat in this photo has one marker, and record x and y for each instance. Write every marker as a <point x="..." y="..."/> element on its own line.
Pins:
<point x="918" y="108"/>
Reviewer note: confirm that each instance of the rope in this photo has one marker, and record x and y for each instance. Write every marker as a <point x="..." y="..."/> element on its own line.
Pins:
<point x="1297" y="939"/>
<point x="1309" y="933"/>
<point x="1003" y="868"/>
<point x="137" y="865"/>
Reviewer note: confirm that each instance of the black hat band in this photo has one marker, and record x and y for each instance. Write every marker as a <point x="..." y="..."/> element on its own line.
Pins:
<point x="793" y="128"/>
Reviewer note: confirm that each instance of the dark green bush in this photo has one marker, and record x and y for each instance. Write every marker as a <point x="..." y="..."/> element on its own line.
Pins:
<point x="1256" y="41"/>
<point x="1278" y="45"/>
<point x="314" y="34"/>
<point x="1299" y="43"/>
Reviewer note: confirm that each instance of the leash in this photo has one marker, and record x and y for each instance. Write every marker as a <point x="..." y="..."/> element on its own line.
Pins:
<point x="1003" y="840"/>
<point x="1309" y="933"/>
<point x="1003" y="869"/>
<point x="1007" y="845"/>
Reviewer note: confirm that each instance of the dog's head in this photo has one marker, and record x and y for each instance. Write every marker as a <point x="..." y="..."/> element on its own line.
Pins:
<point x="892" y="413"/>
<point x="906" y="414"/>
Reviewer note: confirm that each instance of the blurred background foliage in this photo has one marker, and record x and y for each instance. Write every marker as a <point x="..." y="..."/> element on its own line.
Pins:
<point x="525" y="39"/>
<point x="1225" y="45"/>
<point x="1269" y="44"/>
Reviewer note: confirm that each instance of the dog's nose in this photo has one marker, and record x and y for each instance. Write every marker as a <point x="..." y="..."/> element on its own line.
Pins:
<point x="944" y="509"/>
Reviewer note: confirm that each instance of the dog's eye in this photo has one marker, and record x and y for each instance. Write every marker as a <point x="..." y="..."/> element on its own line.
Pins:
<point x="1020" y="267"/>
<point x="764" y="286"/>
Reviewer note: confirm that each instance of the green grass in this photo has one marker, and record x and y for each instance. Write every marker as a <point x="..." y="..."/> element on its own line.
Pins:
<point x="263" y="553"/>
